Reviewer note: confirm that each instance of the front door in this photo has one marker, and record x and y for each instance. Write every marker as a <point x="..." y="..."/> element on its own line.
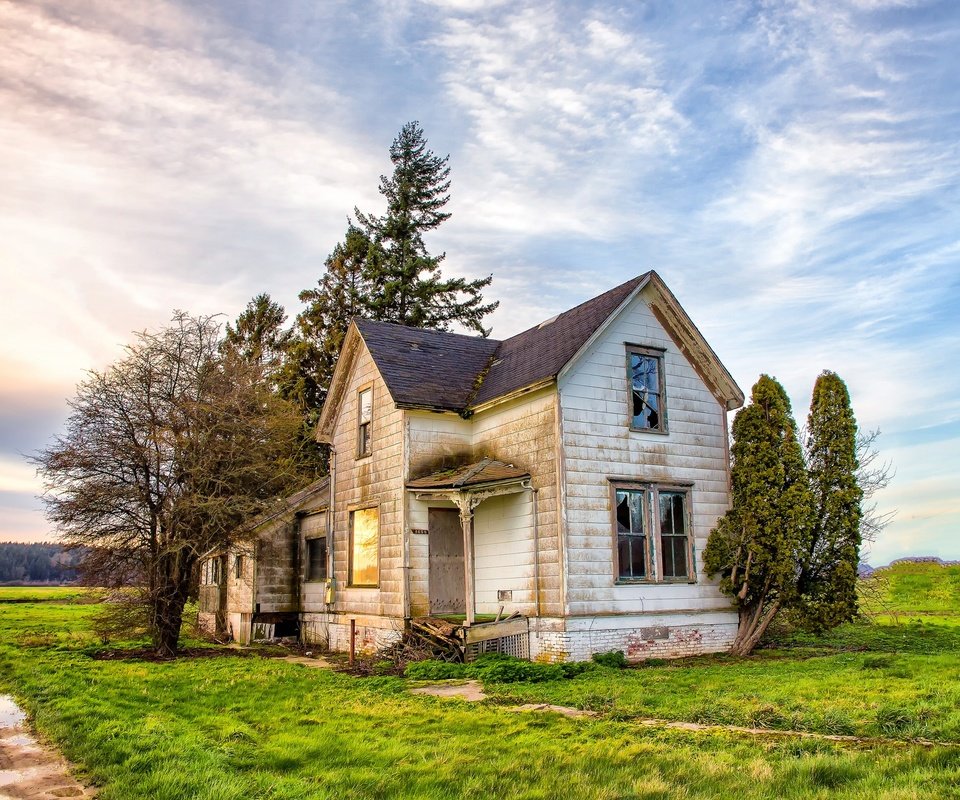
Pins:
<point x="446" y="562"/>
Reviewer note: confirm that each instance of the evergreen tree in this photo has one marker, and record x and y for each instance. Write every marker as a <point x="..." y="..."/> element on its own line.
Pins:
<point x="258" y="336"/>
<point x="757" y="546"/>
<point x="409" y="287"/>
<point x="382" y="270"/>
<point x="342" y="293"/>
<point x="828" y="576"/>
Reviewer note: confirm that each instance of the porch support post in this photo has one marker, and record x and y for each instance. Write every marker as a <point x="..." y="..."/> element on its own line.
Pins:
<point x="466" y="522"/>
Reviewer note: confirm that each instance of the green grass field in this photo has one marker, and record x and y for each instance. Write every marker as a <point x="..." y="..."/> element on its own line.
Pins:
<point x="228" y="727"/>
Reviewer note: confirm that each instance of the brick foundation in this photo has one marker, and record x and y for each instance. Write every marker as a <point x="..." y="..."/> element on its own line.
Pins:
<point x="639" y="638"/>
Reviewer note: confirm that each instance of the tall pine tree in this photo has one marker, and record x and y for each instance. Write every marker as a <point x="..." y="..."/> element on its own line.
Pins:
<point x="409" y="287"/>
<point x="828" y="576"/>
<point x="383" y="271"/>
<point x="758" y="545"/>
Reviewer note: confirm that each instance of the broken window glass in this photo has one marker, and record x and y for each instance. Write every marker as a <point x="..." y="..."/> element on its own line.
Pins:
<point x="663" y="554"/>
<point x="631" y="535"/>
<point x="646" y="391"/>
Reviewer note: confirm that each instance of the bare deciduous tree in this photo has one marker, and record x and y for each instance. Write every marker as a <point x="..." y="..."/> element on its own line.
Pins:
<point x="166" y="453"/>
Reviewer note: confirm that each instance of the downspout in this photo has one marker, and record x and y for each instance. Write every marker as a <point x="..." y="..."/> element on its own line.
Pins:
<point x="331" y="561"/>
<point x="536" y="550"/>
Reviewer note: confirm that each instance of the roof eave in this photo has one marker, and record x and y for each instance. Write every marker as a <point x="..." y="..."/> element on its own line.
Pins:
<point x="585" y="347"/>
<point x="504" y="398"/>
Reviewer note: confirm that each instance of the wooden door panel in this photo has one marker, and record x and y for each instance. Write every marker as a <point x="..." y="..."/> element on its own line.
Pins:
<point x="446" y="562"/>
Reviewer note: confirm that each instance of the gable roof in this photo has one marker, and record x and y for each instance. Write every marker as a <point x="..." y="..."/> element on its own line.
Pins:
<point x="539" y="353"/>
<point x="445" y="371"/>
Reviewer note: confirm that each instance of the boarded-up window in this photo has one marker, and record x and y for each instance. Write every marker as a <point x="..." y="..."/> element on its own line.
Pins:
<point x="365" y="547"/>
<point x="653" y="535"/>
<point x="317" y="559"/>
<point x="364" y="416"/>
<point x="645" y="373"/>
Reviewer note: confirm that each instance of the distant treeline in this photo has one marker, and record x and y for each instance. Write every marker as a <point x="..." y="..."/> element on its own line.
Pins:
<point x="37" y="563"/>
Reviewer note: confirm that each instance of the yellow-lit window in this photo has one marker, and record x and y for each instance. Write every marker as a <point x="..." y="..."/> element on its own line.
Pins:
<point x="365" y="547"/>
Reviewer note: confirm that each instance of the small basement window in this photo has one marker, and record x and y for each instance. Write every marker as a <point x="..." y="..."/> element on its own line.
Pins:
<point x="317" y="559"/>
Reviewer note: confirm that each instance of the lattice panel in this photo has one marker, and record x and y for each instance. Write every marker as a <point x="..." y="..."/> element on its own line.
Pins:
<point x="517" y="646"/>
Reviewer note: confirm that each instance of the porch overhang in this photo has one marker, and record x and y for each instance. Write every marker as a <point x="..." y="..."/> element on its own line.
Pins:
<point x="467" y="487"/>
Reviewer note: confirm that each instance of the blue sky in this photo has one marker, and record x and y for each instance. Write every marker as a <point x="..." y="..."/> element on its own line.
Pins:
<point x="791" y="169"/>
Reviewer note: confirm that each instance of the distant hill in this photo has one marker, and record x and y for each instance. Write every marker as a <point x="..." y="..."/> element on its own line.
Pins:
<point x="42" y="563"/>
<point x="913" y="587"/>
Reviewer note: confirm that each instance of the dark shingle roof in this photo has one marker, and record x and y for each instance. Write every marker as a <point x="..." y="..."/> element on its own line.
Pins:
<point x="541" y="352"/>
<point x="436" y="369"/>
<point x="487" y="470"/>
<point x="433" y="369"/>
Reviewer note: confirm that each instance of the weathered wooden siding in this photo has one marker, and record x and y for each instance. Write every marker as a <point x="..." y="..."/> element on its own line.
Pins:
<point x="598" y="445"/>
<point x="276" y="589"/>
<point x="503" y="547"/>
<point x="374" y="480"/>
<point x="523" y="432"/>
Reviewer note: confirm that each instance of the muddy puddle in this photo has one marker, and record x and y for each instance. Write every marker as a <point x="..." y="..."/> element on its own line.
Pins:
<point x="29" y="769"/>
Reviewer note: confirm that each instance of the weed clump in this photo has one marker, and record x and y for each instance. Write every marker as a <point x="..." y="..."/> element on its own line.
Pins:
<point x="615" y="659"/>
<point x="496" y="668"/>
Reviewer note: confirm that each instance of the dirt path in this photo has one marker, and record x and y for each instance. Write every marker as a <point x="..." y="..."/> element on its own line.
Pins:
<point x="28" y="769"/>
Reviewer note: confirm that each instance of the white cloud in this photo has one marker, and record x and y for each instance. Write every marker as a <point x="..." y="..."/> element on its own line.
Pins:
<point x="564" y="113"/>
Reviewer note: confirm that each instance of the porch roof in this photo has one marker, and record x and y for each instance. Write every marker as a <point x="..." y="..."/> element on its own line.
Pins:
<point x="483" y="472"/>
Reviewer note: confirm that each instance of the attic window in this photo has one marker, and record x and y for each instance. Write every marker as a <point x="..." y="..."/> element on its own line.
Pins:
<point x="548" y="321"/>
<point x="364" y="416"/>
<point x="414" y="345"/>
<point x="646" y="387"/>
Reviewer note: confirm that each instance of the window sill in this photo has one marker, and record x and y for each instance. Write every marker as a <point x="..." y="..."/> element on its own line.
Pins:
<point x="655" y="431"/>
<point x="650" y="582"/>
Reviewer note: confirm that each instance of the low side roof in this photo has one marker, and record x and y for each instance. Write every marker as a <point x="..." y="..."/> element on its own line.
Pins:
<point x="424" y="368"/>
<point x="319" y="489"/>
<point x="486" y="471"/>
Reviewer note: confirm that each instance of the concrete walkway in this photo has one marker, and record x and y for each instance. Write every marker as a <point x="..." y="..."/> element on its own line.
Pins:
<point x="28" y="769"/>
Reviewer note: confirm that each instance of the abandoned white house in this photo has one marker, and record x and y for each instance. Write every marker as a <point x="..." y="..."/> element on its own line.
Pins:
<point x="566" y="477"/>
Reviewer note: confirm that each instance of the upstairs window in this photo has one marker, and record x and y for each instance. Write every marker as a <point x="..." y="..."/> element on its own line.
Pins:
<point x="238" y="567"/>
<point x="653" y="534"/>
<point x="364" y="415"/>
<point x="645" y="375"/>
